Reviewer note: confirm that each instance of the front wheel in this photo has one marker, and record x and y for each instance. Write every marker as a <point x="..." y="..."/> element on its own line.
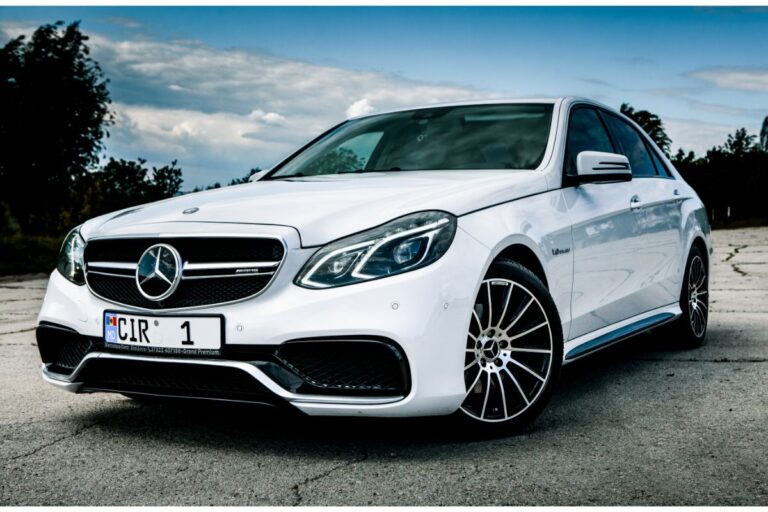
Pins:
<point x="514" y="350"/>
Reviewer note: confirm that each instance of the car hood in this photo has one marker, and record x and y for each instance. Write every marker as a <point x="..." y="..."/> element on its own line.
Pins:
<point x="325" y="208"/>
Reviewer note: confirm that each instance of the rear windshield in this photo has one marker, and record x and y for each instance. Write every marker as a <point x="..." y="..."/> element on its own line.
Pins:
<point x="510" y="136"/>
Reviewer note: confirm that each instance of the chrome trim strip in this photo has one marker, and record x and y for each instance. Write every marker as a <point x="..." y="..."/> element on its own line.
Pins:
<point x="250" y="274"/>
<point x="112" y="264"/>
<point x="69" y="382"/>
<point x="129" y="276"/>
<point x="228" y="266"/>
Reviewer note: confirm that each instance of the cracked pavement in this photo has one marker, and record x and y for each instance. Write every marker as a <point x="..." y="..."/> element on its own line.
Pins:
<point x="638" y="424"/>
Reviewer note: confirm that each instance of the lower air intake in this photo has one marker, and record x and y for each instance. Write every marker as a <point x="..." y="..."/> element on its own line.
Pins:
<point x="370" y="367"/>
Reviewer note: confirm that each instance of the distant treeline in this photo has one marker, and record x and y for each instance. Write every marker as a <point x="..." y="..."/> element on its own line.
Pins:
<point x="55" y="116"/>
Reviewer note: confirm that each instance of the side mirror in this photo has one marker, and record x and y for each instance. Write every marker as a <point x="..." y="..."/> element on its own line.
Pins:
<point x="595" y="166"/>
<point x="258" y="175"/>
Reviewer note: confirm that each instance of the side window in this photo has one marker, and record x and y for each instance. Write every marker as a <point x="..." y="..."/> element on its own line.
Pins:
<point x="661" y="169"/>
<point x="585" y="133"/>
<point x="631" y="145"/>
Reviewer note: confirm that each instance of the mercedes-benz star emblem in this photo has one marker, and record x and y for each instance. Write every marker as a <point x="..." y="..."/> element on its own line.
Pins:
<point x="158" y="272"/>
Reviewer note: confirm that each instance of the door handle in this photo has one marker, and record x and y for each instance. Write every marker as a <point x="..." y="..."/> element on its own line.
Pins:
<point x="635" y="203"/>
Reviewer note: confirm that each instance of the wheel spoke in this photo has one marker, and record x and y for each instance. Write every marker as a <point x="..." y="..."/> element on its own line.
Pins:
<point x="469" y="390"/>
<point x="506" y="304"/>
<point x="529" y="331"/>
<point x="479" y="323"/>
<point x="487" y="392"/>
<point x="529" y="350"/>
<point x="517" y="385"/>
<point x="490" y="305"/>
<point x="521" y="365"/>
<point x="519" y="315"/>
<point x="470" y="365"/>
<point x="503" y="395"/>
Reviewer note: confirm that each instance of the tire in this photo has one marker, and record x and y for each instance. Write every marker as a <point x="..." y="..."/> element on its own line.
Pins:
<point x="514" y="351"/>
<point x="690" y="329"/>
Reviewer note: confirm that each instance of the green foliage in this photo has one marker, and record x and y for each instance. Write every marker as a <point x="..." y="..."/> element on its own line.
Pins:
<point x="235" y="181"/>
<point x="125" y="183"/>
<point x="28" y="254"/>
<point x="54" y="109"/>
<point x="652" y="125"/>
<point x="729" y="177"/>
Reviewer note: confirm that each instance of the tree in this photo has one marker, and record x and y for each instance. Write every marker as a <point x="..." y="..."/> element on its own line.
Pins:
<point x="244" y="179"/>
<point x="166" y="181"/>
<point x="730" y="178"/>
<point x="764" y="134"/>
<point x="651" y="123"/>
<point x="125" y="183"/>
<point x="54" y="110"/>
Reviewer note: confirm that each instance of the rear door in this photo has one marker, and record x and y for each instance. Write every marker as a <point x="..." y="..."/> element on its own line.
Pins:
<point x="607" y="234"/>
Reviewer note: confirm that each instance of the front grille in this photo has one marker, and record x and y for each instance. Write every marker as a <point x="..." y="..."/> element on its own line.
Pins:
<point x="215" y="270"/>
<point x="63" y="348"/>
<point x="354" y="366"/>
<point x="174" y="379"/>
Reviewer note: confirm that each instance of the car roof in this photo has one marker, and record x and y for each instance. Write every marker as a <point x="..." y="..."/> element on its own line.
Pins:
<point x="490" y="101"/>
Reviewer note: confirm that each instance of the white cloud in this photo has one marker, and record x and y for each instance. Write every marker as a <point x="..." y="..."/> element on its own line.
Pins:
<point x="239" y="109"/>
<point x="744" y="79"/>
<point x="360" y="108"/>
<point x="267" y="117"/>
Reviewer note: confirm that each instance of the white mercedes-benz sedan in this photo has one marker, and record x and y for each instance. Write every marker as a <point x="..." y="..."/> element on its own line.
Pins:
<point x="430" y="261"/>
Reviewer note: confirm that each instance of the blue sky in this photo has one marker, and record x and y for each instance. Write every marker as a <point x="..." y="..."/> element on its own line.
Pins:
<point x="225" y="89"/>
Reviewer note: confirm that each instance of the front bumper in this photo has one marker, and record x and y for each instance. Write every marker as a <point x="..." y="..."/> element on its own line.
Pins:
<point x="425" y="313"/>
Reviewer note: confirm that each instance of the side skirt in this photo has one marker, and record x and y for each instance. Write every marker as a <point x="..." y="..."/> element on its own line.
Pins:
<point x="602" y="338"/>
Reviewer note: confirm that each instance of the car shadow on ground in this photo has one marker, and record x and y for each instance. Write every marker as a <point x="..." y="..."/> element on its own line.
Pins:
<point x="252" y="429"/>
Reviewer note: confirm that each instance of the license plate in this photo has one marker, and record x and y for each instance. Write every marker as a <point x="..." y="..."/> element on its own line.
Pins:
<point x="170" y="334"/>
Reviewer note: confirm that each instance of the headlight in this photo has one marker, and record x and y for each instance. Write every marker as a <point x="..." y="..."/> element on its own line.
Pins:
<point x="71" y="257"/>
<point x="401" y="245"/>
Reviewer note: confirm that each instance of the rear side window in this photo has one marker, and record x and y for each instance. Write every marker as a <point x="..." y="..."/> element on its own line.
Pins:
<point x="585" y="133"/>
<point x="631" y="145"/>
<point x="661" y="169"/>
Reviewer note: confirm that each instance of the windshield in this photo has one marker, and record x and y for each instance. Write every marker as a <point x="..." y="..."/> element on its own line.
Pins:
<point x="508" y="136"/>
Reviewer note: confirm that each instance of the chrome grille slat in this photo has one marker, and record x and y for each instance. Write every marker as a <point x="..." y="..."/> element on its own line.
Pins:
<point x="234" y="265"/>
<point x="100" y="273"/>
<point x="221" y="276"/>
<point x="112" y="264"/>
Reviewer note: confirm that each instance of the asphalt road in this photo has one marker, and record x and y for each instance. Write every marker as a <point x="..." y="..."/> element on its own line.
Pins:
<point x="641" y="424"/>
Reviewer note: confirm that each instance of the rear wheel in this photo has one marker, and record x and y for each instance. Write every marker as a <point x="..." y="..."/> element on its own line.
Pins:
<point x="514" y="350"/>
<point x="691" y="328"/>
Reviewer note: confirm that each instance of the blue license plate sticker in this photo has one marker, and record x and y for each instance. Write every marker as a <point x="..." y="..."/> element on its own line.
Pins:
<point x="110" y="328"/>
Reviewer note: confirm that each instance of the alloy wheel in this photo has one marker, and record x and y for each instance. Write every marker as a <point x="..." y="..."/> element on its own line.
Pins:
<point x="509" y="352"/>
<point x="698" y="299"/>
